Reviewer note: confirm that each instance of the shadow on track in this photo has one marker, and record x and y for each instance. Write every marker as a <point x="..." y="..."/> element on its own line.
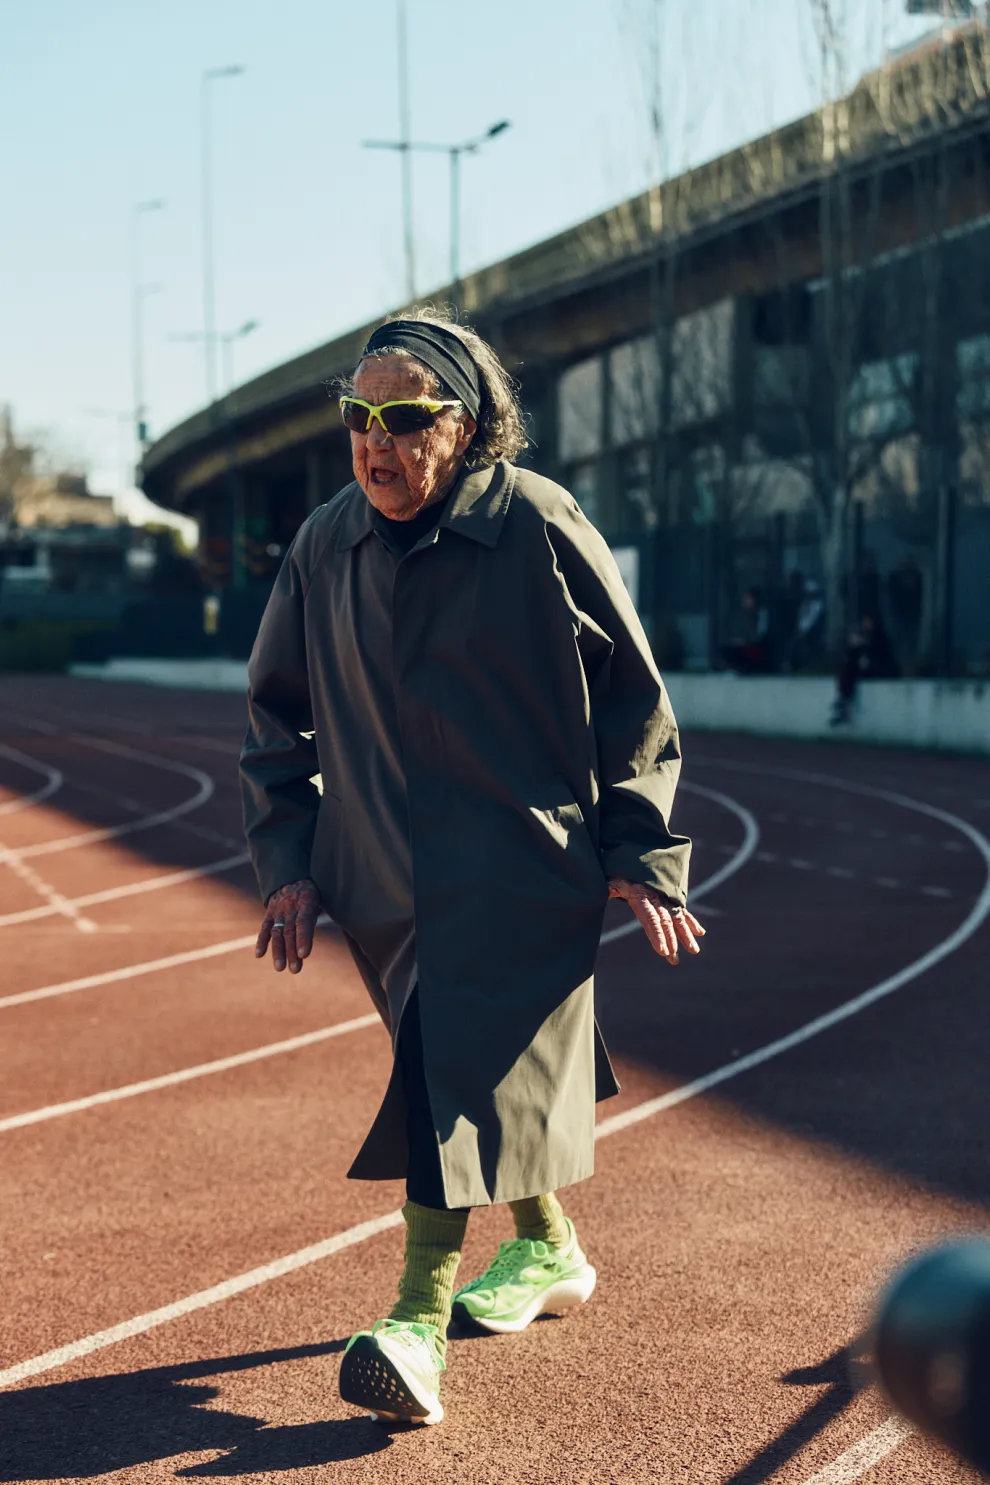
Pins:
<point x="846" y="1376"/>
<point x="82" y="1429"/>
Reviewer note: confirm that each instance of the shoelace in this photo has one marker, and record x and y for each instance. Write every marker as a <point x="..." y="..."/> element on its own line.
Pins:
<point x="426" y="1333"/>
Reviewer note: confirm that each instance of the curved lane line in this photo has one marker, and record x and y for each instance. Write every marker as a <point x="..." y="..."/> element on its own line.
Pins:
<point x="751" y="839"/>
<point x="205" y="790"/>
<point x="53" y="782"/>
<point x="148" y="1085"/>
<point x="62" y="1355"/>
<point x="973" y="920"/>
<point x="54" y="779"/>
<point x="133" y="889"/>
<point x="849" y="1466"/>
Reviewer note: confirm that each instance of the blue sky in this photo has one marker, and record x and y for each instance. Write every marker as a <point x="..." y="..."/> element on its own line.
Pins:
<point x="99" y="108"/>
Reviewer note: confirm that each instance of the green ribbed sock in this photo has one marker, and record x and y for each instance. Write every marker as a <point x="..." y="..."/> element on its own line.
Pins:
<point x="433" y="1251"/>
<point x="540" y="1218"/>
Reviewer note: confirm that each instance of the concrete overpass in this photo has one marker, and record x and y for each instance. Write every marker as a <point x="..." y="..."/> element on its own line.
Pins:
<point x="748" y="234"/>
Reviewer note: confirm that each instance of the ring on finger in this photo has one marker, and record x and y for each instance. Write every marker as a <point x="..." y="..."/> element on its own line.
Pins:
<point x="278" y="925"/>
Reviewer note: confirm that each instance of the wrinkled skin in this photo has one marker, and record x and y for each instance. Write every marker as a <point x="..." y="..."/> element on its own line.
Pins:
<point x="288" y="925"/>
<point x="401" y="475"/>
<point x="668" y="928"/>
<point x="292" y="911"/>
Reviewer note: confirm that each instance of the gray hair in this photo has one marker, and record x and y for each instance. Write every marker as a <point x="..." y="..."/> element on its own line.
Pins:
<point x="501" y="432"/>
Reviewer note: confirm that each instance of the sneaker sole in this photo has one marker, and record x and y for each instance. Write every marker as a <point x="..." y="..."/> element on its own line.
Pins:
<point x="370" y="1379"/>
<point x="566" y="1294"/>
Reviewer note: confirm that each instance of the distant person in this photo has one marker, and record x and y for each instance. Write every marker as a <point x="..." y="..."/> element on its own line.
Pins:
<point x="905" y="600"/>
<point x="807" y="649"/>
<point x="450" y="645"/>
<point x="749" y="653"/>
<point x="868" y="657"/>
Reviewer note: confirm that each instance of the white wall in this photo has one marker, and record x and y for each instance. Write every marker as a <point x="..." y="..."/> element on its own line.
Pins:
<point x="953" y="716"/>
<point x="949" y="715"/>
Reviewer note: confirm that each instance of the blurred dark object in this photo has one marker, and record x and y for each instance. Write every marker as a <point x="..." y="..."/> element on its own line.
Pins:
<point x="173" y="627"/>
<point x="750" y="653"/>
<point x="932" y="1346"/>
<point x="905" y="601"/>
<point x="868" y="657"/>
<point x="802" y="632"/>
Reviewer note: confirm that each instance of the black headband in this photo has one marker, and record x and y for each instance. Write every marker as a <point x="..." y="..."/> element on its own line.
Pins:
<point x="439" y="349"/>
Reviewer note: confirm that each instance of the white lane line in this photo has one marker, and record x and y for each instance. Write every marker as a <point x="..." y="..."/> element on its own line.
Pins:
<point x="45" y="992"/>
<point x="862" y="1456"/>
<point x="751" y="839"/>
<point x="204" y="791"/>
<point x="187" y="1074"/>
<point x="130" y="972"/>
<point x="219" y="1292"/>
<point x="54" y="780"/>
<point x="55" y="902"/>
<point x="132" y="889"/>
<point x="855" y="1461"/>
<point x="973" y="920"/>
<point x="62" y="1355"/>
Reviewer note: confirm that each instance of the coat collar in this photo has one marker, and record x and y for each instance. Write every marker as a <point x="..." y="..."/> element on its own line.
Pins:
<point x="476" y="508"/>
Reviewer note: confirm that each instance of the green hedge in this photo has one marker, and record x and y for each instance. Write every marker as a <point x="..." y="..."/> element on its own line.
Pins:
<point x="41" y="644"/>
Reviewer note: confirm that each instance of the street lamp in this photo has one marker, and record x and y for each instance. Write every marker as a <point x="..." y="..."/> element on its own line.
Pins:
<point x="211" y="75"/>
<point x="226" y="338"/>
<point x="227" y="344"/>
<point x="139" y="290"/>
<point x="454" y="152"/>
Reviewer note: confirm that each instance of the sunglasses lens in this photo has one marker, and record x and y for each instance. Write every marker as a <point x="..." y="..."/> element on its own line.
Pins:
<point x="407" y="417"/>
<point x="354" y="415"/>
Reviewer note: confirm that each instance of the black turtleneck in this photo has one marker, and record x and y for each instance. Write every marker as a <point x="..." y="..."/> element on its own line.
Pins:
<point x="405" y="534"/>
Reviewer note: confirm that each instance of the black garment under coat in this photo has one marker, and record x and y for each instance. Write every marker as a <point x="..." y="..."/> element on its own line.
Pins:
<point x="495" y="743"/>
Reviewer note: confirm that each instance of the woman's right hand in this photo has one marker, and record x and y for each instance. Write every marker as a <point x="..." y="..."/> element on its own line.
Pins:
<point x="290" y="919"/>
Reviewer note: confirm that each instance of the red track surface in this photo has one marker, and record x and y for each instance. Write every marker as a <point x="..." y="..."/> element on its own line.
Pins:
<point x="739" y="1234"/>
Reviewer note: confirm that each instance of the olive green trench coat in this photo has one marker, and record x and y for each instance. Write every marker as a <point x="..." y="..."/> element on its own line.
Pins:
<point x="494" y="743"/>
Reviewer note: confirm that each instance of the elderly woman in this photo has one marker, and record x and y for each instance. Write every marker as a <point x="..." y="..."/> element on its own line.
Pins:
<point x="450" y="646"/>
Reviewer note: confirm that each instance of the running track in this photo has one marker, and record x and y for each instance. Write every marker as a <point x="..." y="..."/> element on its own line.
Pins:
<point x="183" y="1259"/>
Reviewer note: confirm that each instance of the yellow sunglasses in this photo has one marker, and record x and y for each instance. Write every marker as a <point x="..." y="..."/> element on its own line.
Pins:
<point x="403" y="415"/>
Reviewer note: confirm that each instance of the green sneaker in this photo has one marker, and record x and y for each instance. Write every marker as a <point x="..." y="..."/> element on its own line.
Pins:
<point x="528" y="1278"/>
<point x="394" y="1370"/>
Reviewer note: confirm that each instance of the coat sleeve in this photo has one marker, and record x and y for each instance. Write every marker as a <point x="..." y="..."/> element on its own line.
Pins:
<point x="639" y="758"/>
<point x="277" y="761"/>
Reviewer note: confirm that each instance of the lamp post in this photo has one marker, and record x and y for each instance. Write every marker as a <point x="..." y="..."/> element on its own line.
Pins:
<point x="227" y="343"/>
<point x="454" y="152"/>
<point x="139" y="289"/>
<point x="211" y="75"/>
<point x="226" y="339"/>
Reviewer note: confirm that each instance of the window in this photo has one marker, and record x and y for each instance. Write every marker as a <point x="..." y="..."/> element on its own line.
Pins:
<point x="636" y="491"/>
<point x="634" y="369"/>
<point x="583" y="484"/>
<point x="579" y="410"/>
<point x="880" y="398"/>
<point x="701" y="352"/>
<point x="973" y="364"/>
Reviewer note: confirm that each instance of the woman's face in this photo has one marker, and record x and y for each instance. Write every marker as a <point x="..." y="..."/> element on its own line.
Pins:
<point x="401" y="473"/>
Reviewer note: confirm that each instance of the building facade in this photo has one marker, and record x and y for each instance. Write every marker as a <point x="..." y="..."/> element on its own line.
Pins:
<point x="772" y="370"/>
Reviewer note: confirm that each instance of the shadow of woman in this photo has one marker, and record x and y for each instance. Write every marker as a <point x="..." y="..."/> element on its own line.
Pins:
<point x="81" y="1429"/>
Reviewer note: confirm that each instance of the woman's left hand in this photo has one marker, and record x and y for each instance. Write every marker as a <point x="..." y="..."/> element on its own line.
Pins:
<point x="667" y="926"/>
